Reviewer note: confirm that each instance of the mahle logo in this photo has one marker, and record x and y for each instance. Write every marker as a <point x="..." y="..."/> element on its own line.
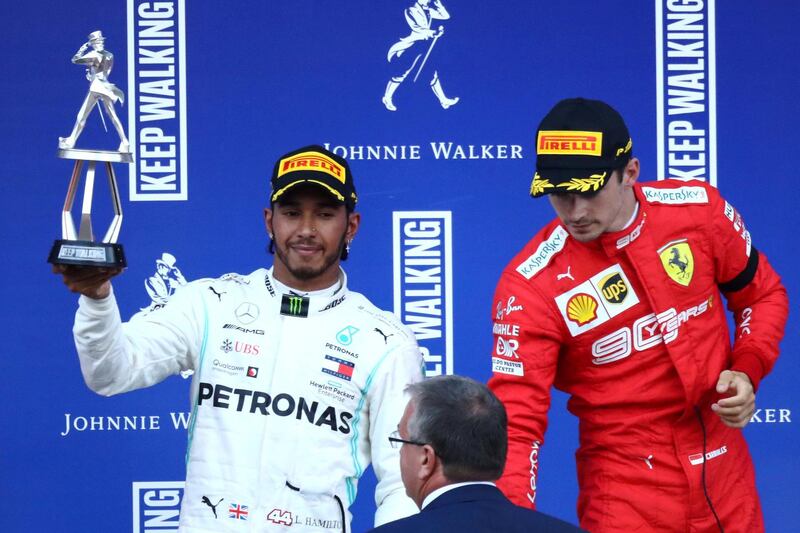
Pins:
<point x="294" y="305"/>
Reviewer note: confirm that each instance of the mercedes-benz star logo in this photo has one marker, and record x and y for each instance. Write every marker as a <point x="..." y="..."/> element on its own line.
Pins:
<point x="247" y="313"/>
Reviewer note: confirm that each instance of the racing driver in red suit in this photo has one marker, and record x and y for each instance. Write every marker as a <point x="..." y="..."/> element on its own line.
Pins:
<point x="617" y="302"/>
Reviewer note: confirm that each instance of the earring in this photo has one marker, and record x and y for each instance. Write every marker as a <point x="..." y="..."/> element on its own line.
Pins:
<point x="347" y="246"/>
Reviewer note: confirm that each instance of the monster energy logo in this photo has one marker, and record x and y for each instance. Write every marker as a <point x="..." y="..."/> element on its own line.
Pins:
<point x="294" y="305"/>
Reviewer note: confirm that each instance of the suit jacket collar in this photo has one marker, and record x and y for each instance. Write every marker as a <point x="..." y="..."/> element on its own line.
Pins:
<point x="467" y="493"/>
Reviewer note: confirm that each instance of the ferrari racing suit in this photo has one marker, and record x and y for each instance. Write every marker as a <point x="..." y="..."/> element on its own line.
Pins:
<point x="633" y="328"/>
<point x="293" y="395"/>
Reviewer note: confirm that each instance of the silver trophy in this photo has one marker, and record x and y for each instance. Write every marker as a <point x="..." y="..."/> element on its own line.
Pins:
<point x="80" y="248"/>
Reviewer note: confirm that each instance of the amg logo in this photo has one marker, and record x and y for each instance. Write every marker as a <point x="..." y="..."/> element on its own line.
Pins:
<point x="243" y="330"/>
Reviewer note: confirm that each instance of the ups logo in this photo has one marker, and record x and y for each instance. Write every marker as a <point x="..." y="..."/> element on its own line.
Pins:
<point x="614" y="288"/>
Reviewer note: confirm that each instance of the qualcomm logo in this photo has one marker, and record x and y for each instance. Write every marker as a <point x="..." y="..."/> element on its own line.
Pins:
<point x="414" y="52"/>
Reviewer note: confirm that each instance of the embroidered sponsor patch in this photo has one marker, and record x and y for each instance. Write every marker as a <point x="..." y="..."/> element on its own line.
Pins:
<point x="504" y="366"/>
<point x="338" y="367"/>
<point x="697" y="458"/>
<point x="570" y="143"/>
<point x="678" y="261"/>
<point x="312" y="161"/>
<point x="544" y="253"/>
<point x="596" y="300"/>
<point x="681" y="195"/>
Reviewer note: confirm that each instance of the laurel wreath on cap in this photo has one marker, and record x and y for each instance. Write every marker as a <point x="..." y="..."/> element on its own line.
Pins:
<point x="593" y="183"/>
<point x="539" y="185"/>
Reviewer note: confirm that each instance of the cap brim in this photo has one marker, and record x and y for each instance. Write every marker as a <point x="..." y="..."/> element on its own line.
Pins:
<point x="321" y="181"/>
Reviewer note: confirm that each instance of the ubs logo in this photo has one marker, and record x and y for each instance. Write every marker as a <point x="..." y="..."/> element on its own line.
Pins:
<point x="614" y="288"/>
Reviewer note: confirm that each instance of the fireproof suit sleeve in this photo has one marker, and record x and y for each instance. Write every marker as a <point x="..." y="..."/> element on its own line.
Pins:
<point x="401" y="365"/>
<point x="753" y="289"/>
<point x="524" y="368"/>
<point x="117" y="357"/>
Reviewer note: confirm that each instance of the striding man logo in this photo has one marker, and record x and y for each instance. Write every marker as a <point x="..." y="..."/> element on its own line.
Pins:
<point x="414" y="55"/>
<point x="162" y="285"/>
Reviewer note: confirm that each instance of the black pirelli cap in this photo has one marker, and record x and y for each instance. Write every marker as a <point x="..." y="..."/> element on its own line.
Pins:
<point x="579" y="143"/>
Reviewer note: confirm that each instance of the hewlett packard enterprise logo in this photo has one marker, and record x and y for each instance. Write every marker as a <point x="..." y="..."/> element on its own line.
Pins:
<point x="157" y="94"/>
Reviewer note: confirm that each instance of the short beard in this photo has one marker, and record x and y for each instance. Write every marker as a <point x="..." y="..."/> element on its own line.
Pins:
<point x="309" y="273"/>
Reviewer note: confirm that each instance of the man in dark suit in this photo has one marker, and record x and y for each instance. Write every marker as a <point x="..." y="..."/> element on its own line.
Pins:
<point x="453" y="447"/>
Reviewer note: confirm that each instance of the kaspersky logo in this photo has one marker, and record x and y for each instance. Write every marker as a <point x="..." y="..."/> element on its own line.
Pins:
<point x="294" y="305"/>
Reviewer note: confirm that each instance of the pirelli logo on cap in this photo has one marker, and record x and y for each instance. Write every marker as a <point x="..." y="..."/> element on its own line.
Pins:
<point x="570" y="143"/>
<point x="312" y="161"/>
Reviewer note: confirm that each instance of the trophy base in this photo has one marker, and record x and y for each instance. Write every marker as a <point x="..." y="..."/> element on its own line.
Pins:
<point x="87" y="253"/>
<point x="107" y="156"/>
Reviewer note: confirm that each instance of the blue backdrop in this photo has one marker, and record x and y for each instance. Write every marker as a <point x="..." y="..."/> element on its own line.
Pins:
<point x="226" y="87"/>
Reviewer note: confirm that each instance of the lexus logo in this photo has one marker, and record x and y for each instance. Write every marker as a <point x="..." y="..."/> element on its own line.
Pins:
<point x="247" y="313"/>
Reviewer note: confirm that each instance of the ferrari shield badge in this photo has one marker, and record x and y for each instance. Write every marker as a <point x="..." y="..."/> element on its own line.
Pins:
<point x="677" y="259"/>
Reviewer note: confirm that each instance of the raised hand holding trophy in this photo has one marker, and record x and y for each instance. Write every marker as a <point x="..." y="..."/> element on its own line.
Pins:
<point x="81" y="248"/>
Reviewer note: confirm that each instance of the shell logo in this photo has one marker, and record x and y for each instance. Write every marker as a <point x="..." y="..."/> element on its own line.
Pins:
<point x="582" y="309"/>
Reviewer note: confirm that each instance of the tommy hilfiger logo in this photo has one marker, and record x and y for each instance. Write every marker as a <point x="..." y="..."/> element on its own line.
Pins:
<point x="294" y="305"/>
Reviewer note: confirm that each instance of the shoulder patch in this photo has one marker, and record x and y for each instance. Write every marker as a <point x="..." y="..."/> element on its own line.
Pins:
<point x="681" y="195"/>
<point x="544" y="253"/>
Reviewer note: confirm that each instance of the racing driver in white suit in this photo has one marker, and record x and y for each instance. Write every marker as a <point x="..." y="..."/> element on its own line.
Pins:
<point x="297" y="382"/>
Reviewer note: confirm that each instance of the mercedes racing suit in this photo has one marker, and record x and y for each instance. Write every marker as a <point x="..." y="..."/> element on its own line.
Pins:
<point x="293" y="395"/>
<point x="633" y="328"/>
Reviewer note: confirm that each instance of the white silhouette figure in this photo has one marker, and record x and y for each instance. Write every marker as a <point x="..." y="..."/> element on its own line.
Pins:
<point x="167" y="278"/>
<point x="413" y="53"/>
